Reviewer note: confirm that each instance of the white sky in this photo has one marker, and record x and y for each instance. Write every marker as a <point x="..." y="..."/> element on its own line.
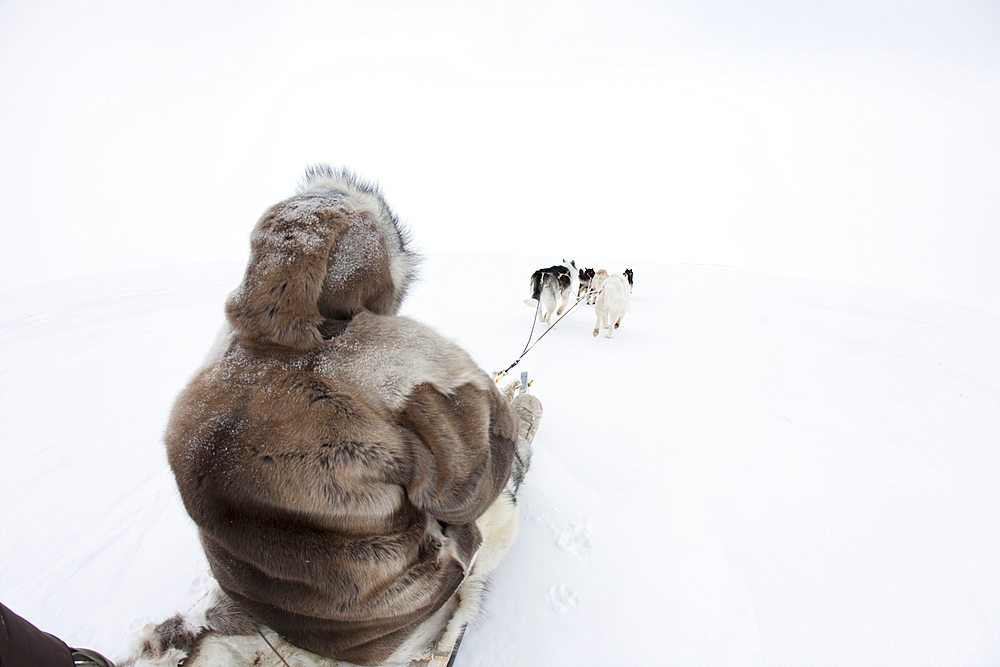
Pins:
<point x="849" y="140"/>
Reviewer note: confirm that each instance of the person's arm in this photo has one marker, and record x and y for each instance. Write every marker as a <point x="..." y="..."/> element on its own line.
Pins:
<point x="461" y="447"/>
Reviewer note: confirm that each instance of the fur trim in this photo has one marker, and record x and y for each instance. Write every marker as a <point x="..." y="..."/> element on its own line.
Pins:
<point x="367" y="198"/>
<point x="327" y="253"/>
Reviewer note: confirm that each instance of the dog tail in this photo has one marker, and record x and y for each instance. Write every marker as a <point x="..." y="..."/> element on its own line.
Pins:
<point x="536" y="288"/>
<point x="169" y="643"/>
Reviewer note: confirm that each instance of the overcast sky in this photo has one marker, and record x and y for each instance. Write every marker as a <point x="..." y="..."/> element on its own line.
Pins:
<point x="850" y="140"/>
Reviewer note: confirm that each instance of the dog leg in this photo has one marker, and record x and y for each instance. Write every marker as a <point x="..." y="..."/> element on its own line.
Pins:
<point x="565" y="300"/>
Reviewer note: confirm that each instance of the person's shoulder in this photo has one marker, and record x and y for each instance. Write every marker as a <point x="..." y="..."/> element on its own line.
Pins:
<point x="390" y="324"/>
<point x="401" y="334"/>
<point x="393" y="354"/>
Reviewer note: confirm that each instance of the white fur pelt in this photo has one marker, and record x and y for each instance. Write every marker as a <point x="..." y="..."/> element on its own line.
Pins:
<point x="612" y="304"/>
<point x="169" y="643"/>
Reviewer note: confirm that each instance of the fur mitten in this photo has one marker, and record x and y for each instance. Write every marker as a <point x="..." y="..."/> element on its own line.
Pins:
<point x="529" y="409"/>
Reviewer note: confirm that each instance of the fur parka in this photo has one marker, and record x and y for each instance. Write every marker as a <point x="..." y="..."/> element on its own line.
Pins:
<point x="333" y="454"/>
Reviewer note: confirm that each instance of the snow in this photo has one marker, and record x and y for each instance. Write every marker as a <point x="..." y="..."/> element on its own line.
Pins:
<point x="758" y="468"/>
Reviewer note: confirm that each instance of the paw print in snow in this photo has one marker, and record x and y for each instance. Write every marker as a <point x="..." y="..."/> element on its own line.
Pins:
<point x="562" y="598"/>
<point x="574" y="539"/>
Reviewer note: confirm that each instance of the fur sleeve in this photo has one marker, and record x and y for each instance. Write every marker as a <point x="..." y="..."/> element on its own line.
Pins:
<point x="461" y="446"/>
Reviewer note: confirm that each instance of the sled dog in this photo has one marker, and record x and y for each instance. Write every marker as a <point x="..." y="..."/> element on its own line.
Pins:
<point x="596" y="283"/>
<point x="586" y="275"/>
<point x="612" y="304"/>
<point x="628" y="274"/>
<point x="553" y="286"/>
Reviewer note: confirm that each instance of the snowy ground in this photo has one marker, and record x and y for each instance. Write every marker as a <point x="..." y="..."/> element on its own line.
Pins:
<point x="757" y="469"/>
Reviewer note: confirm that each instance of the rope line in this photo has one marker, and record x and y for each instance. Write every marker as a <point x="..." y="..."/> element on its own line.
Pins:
<point x="532" y="332"/>
<point x="280" y="657"/>
<point x="530" y="345"/>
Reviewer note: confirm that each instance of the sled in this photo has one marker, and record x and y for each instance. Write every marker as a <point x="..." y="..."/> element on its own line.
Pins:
<point x="270" y="650"/>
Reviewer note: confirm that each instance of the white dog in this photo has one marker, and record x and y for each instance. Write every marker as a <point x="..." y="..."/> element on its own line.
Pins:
<point x="612" y="304"/>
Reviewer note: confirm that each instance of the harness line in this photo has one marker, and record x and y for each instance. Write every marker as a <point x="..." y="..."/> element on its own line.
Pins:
<point x="280" y="657"/>
<point x="530" y="345"/>
<point x="526" y="345"/>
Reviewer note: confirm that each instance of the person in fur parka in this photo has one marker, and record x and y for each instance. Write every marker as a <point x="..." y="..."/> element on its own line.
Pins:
<point x="341" y="461"/>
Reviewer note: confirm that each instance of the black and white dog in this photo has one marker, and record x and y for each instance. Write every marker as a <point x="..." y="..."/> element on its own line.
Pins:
<point x="628" y="274"/>
<point x="551" y="286"/>
<point x="586" y="275"/>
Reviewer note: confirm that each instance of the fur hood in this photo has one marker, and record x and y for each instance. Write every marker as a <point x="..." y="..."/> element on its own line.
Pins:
<point x="324" y="255"/>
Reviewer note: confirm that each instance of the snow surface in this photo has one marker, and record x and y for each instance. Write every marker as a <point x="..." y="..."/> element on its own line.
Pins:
<point x="757" y="469"/>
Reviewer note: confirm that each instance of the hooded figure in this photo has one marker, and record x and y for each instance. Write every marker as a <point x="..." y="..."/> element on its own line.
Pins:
<point x="339" y="459"/>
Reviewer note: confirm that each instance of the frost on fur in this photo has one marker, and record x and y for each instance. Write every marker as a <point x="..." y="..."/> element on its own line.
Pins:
<point x="327" y="253"/>
<point x="365" y="197"/>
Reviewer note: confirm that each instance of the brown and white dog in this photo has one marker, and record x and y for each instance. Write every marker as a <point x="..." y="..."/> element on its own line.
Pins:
<point x="595" y="285"/>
